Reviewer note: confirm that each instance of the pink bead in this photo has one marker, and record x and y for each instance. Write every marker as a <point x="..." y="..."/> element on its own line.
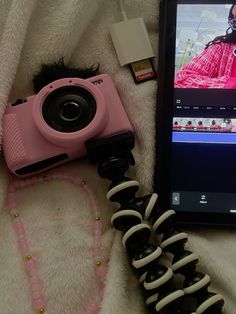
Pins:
<point x="97" y="224"/>
<point x="87" y="188"/>
<point x="11" y="196"/>
<point x="36" y="294"/>
<point x="96" y="211"/>
<point x="29" y="182"/>
<point x="91" y="308"/>
<point x="23" y="246"/>
<point x="12" y="188"/>
<point x="97" y="245"/>
<point x="39" y="303"/>
<point x="101" y="272"/>
<point x="97" y="231"/>
<point x="35" y="286"/>
<point x="26" y="183"/>
<point x="22" y="184"/>
<point x="101" y="292"/>
<point x="33" y="272"/>
<point x="19" y="228"/>
<point x="96" y="251"/>
<point x="15" y="184"/>
<point x="12" y="204"/>
<point x="95" y="205"/>
<point x="34" y="181"/>
<point x="75" y="181"/>
<point x="31" y="267"/>
<point x="97" y="237"/>
<point x="34" y="279"/>
<point x="21" y="237"/>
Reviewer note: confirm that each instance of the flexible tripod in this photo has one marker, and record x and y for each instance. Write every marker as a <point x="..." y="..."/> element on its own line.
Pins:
<point x="137" y="217"/>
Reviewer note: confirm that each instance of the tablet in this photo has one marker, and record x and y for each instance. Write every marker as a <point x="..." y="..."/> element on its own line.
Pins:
<point x="196" y="111"/>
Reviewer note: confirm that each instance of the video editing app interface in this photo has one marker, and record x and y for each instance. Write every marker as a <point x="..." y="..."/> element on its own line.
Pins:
<point x="204" y="122"/>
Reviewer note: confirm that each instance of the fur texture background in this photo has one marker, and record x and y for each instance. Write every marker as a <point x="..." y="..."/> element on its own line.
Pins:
<point x="56" y="214"/>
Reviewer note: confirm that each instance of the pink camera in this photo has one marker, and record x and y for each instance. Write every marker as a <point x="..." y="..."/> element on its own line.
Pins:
<point x="52" y="127"/>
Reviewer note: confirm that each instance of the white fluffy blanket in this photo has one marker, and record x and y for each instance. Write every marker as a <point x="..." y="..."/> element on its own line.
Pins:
<point x="33" y="32"/>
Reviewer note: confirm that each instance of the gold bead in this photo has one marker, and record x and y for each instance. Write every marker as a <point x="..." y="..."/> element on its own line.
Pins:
<point x="83" y="182"/>
<point x="16" y="215"/>
<point x="28" y="257"/>
<point x="98" y="263"/>
<point x="42" y="310"/>
<point x="12" y="213"/>
<point x="97" y="218"/>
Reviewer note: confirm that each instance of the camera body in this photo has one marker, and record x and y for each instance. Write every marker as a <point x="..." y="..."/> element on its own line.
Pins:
<point x="52" y="127"/>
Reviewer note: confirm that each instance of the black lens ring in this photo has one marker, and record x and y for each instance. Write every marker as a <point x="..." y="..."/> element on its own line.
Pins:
<point x="55" y="102"/>
<point x="70" y="111"/>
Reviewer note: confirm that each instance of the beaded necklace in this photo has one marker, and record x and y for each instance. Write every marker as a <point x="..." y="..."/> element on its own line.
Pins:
<point x="38" y="299"/>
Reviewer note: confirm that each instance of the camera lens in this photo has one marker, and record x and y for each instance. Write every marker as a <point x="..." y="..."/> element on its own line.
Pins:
<point x="69" y="109"/>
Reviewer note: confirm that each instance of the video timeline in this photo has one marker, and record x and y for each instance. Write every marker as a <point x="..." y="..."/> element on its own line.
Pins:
<point x="204" y="130"/>
<point x="187" y="124"/>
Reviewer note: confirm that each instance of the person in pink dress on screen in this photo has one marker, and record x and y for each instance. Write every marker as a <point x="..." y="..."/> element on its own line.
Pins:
<point x="200" y="126"/>
<point x="176" y="125"/>
<point x="215" y="67"/>
<point x="215" y="126"/>
<point x="189" y="126"/>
